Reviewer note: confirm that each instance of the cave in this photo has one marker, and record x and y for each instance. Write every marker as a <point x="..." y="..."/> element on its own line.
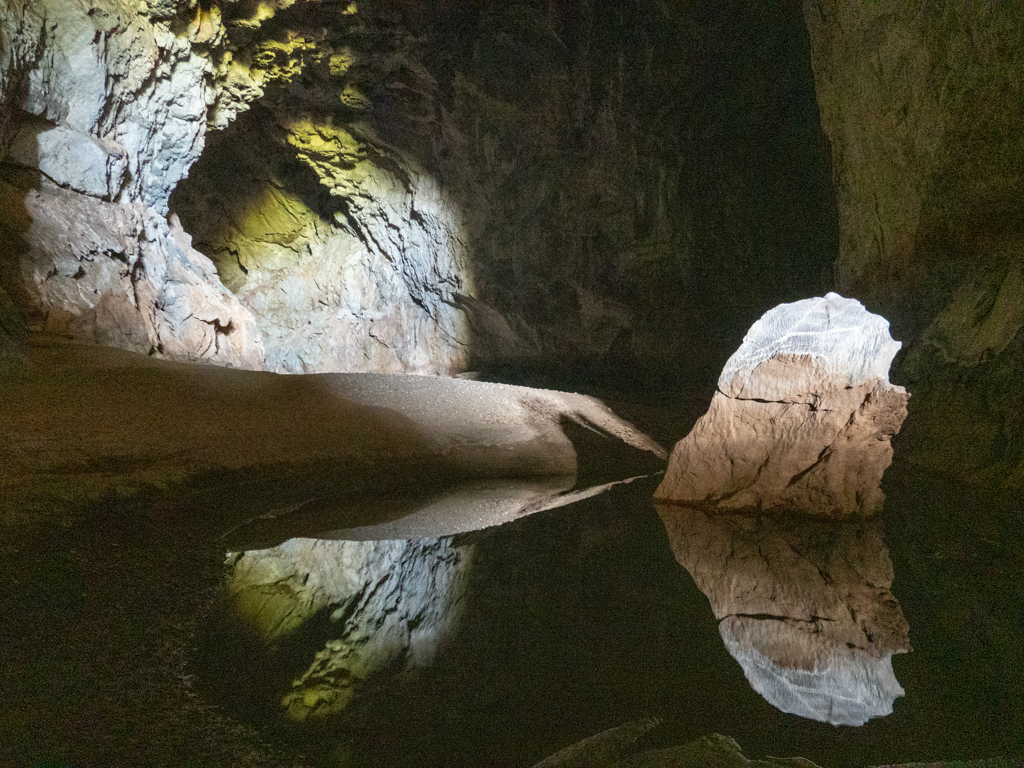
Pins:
<point x="344" y="345"/>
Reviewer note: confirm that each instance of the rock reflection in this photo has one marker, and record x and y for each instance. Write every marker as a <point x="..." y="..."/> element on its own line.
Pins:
<point x="301" y="627"/>
<point x="803" y="605"/>
<point x="413" y="511"/>
<point x="308" y="623"/>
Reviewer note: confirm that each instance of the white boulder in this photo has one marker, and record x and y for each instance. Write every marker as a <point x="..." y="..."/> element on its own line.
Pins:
<point x="846" y="344"/>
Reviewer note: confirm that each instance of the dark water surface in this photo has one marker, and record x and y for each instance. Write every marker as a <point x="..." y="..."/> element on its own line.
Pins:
<point x="580" y="619"/>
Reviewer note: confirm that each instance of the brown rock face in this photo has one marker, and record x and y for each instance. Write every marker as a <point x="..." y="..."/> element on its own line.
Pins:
<point x="802" y="419"/>
<point x="825" y="458"/>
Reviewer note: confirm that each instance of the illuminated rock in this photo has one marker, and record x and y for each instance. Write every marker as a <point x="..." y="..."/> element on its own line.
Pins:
<point x="622" y="747"/>
<point x="804" y="606"/>
<point x="122" y="276"/>
<point x="106" y="112"/>
<point x="314" y="454"/>
<point x="846" y="346"/>
<point x="348" y="263"/>
<point x="117" y="105"/>
<point x="802" y="419"/>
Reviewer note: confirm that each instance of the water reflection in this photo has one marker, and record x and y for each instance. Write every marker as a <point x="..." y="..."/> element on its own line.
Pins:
<point x="405" y="510"/>
<point x="803" y="605"/>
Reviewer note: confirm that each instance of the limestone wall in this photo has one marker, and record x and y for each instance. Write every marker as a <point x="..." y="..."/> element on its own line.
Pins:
<point x="419" y="188"/>
<point x="104" y="111"/>
<point x="922" y="106"/>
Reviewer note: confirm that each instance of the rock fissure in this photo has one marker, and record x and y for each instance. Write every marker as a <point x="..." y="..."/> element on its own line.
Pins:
<point x="825" y="578"/>
<point x="822" y="457"/>
<point x="773" y="617"/>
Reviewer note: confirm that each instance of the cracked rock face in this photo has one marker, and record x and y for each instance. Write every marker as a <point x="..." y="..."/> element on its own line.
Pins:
<point x="410" y="188"/>
<point x="103" y="114"/>
<point x="802" y="419"/>
<point x="805" y="607"/>
<point x="122" y="276"/>
<point x="349" y="259"/>
<point x="620" y="747"/>
<point x="430" y="188"/>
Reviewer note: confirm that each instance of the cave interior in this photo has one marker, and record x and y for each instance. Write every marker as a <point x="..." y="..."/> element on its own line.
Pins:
<point x="228" y="226"/>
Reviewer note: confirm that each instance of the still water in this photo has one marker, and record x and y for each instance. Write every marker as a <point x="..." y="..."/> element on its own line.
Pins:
<point x="578" y="619"/>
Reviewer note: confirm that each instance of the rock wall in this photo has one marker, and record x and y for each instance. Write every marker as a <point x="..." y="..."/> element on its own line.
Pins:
<point x="104" y="111"/>
<point x="922" y="105"/>
<point x="574" y="186"/>
<point x="395" y="187"/>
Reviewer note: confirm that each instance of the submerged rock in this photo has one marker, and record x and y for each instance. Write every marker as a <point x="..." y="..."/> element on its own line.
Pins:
<point x="604" y="748"/>
<point x="804" y="606"/>
<point x="802" y="419"/>
<point x="617" y="748"/>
